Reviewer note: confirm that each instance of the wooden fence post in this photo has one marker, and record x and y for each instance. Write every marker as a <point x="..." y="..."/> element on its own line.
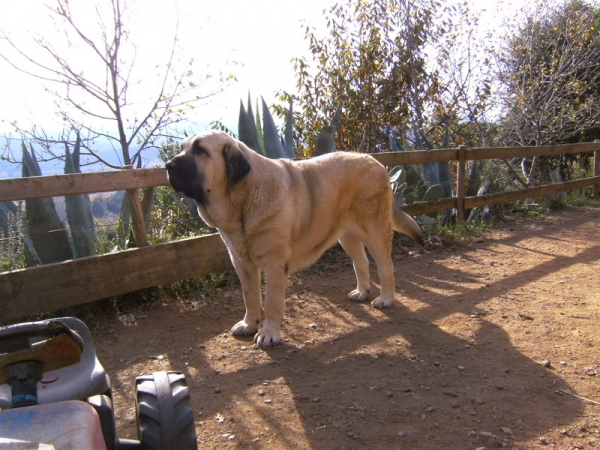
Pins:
<point x="137" y="218"/>
<point x="460" y="184"/>
<point x="596" y="170"/>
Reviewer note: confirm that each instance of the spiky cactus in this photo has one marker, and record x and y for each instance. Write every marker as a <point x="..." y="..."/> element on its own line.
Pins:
<point x="79" y="210"/>
<point x="250" y="132"/>
<point x="48" y="234"/>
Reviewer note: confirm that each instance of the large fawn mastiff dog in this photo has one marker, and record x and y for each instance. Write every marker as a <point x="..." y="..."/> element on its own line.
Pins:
<point x="279" y="216"/>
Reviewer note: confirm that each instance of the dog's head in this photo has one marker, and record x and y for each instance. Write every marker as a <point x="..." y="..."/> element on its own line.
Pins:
<point x="207" y="162"/>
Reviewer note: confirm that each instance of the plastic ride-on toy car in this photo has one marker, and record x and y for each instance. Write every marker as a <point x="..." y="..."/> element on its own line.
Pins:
<point x="54" y="393"/>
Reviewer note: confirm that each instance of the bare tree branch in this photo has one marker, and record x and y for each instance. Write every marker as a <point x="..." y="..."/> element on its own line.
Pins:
<point x="96" y="99"/>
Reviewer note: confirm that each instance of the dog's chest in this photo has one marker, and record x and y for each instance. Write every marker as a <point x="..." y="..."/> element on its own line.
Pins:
<point x="206" y="216"/>
<point x="235" y="244"/>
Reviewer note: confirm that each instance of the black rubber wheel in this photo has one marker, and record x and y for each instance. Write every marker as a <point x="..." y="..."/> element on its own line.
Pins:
<point x="165" y="419"/>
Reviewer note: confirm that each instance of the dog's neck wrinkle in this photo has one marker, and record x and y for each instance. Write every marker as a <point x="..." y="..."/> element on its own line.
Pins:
<point x="228" y="208"/>
<point x="203" y="211"/>
<point x="249" y="200"/>
<point x="247" y="203"/>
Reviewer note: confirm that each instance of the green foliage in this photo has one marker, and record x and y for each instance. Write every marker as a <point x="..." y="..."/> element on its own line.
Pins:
<point x="464" y="57"/>
<point x="124" y="233"/>
<point x="214" y="125"/>
<point x="549" y="75"/>
<point x="12" y="247"/>
<point x="574" y="169"/>
<point x="372" y="61"/>
<point x="202" y="288"/>
<point x="8" y="217"/>
<point x="454" y="233"/>
<point x="172" y="219"/>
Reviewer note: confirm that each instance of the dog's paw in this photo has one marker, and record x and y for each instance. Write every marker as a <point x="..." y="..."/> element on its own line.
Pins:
<point x="242" y="328"/>
<point x="267" y="337"/>
<point x="359" y="296"/>
<point x="262" y="340"/>
<point x="381" y="302"/>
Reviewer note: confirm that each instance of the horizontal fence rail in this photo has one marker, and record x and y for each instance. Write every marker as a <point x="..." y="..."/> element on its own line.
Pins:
<point x="419" y="157"/>
<point x="65" y="284"/>
<point x="80" y="183"/>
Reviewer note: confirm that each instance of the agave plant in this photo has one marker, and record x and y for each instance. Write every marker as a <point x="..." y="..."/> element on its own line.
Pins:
<point x="247" y="131"/>
<point x="424" y="182"/>
<point x="264" y="140"/>
<point x="406" y="180"/>
<point x="438" y="172"/>
<point x="49" y="237"/>
<point x="272" y="141"/>
<point x="79" y="210"/>
<point x="326" y="138"/>
<point x="288" y="138"/>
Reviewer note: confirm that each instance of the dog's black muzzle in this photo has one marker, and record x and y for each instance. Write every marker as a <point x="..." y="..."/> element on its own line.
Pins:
<point x="183" y="176"/>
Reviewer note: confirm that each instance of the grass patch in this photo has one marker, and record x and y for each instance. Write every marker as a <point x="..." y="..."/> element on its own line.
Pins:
<point x="202" y="289"/>
<point x="454" y="233"/>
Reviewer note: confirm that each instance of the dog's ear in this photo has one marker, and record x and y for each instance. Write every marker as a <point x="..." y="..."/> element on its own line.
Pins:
<point x="237" y="164"/>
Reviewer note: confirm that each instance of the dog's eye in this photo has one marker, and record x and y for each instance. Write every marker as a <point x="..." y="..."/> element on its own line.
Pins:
<point x="199" y="150"/>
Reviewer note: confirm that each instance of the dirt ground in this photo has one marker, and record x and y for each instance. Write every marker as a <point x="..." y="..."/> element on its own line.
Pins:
<point x="494" y="342"/>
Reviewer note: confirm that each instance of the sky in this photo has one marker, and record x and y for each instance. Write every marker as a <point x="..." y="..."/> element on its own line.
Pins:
<point x="260" y="36"/>
<point x="255" y="40"/>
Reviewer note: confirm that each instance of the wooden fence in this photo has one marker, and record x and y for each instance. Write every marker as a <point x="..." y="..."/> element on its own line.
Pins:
<point x="65" y="284"/>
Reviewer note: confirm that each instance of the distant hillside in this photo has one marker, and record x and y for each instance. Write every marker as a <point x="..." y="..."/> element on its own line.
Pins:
<point x="13" y="170"/>
<point x="106" y="206"/>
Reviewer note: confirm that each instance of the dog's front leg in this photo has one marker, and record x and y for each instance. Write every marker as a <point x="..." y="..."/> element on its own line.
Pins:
<point x="249" y="276"/>
<point x="275" y="287"/>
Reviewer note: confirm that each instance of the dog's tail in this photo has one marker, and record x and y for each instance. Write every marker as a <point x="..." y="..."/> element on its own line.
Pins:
<point x="404" y="223"/>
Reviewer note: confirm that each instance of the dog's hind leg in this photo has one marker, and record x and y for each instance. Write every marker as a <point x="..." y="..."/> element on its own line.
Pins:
<point x="356" y="250"/>
<point x="379" y="244"/>
<point x="249" y="276"/>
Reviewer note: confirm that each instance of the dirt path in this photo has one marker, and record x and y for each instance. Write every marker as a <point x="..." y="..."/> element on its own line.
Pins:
<point x="481" y="349"/>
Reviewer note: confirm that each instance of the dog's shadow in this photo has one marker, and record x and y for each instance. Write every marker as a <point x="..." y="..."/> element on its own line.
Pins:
<point x="397" y="371"/>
